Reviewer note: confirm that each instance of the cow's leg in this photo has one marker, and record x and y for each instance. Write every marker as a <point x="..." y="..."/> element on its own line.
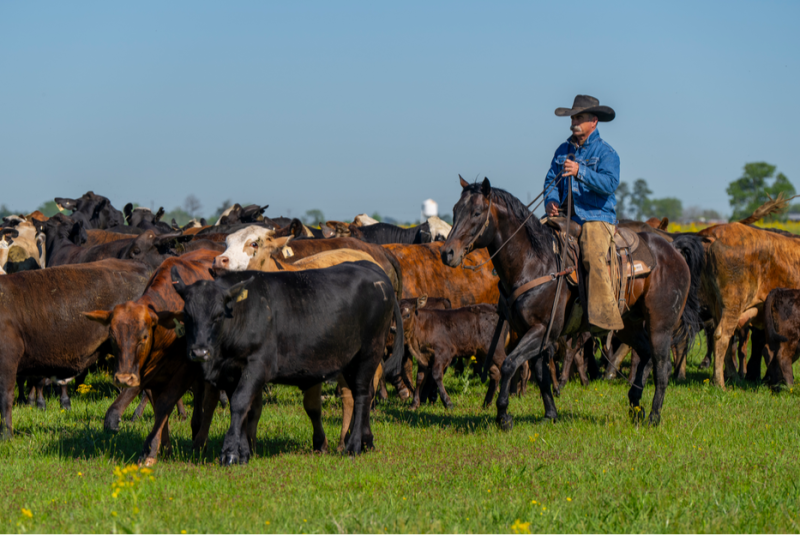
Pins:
<point x="708" y="330"/>
<point x="6" y="401"/>
<point x="758" y="341"/>
<point x="743" y="334"/>
<point x="528" y="344"/>
<point x="580" y="362"/>
<point x="359" y="376"/>
<point x="347" y="410"/>
<point x="566" y="371"/>
<point x="247" y="392"/>
<point x="211" y="397"/>
<point x="163" y="404"/>
<point x="635" y="362"/>
<point x="248" y="444"/>
<point x="139" y="411"/>
<point x="181" y="410"/>
<point x="437" y="372"/>
<point x="723" y="346"/>
<point x="117" y="408"/>
<point x="22" y="399"/>
<point x="422" y="376"/>
<point x="40" y="385"/>
<point x="680" y="352"/>
<point x="612" y="369"/>
<point x="66" y="404"/>
<point x="223" y="400"/>
<point x="780" y="366"/>
<point x="551" y="364"/>
<point x="312" y="403"/>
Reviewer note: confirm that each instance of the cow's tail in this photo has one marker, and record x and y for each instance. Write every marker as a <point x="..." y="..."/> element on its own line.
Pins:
<point x="769" y="320"/>
<point x="691" y="248"/>
<point x="394" y="365"/>
<point x="398" y="270"/>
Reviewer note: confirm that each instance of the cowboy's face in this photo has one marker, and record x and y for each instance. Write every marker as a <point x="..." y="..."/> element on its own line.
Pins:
<point x="583" y="124"/>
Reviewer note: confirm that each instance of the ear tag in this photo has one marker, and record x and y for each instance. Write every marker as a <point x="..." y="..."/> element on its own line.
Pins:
<point x="180" y="330"/>
<point x="242" y="296"/>
<point x="287" y="252"/>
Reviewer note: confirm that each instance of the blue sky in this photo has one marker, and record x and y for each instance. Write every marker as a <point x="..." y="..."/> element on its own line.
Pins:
<point x="361" y="106"/>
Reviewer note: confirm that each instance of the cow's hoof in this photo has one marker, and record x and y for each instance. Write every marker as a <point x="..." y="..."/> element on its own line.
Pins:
<point x="149" y="461"/>
<point x="505" y="422"/>
<point x="66" y="404"/>
<point x="705" y="363"/>
<point x="447" y="404"/>
<point x="655" y="419"/>
<point x="41" y="405"/>
<point x="229" y="459"/>
<point x="404" y="394"/>
<point x="111" y="425"/>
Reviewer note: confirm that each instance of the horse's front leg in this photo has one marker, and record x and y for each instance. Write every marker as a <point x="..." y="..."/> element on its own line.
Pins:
<point x="525" y="350"/>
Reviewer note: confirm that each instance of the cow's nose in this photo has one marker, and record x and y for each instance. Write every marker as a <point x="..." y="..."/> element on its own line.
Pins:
<point x="221" y="262"/>
<point x="127" y="380"/>
<point x="200" y="354"/>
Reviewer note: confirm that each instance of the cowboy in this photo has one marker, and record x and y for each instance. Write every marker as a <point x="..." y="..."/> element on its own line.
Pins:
<point x="593" y="166"/>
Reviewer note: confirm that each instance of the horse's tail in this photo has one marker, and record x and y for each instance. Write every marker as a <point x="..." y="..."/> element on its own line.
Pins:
<point x="690" y="246"/>
<point x="398" y="271"/>
<point x="769" y="320"/>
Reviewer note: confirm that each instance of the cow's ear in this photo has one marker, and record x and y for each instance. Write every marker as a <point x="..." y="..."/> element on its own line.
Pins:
<point x="128" y="211"/>
<point x="177" y="281"/>
<point x="159" y="213"/>
<point x="203" y="222"/>
<point x="331" y="225"/>
<point x="327" y="232"/>
<point x="238" y="292"/>
<point x="486" y="187"/>
<point x="99" y="316"/>
<point x="74" y="235"/>
<point x="168" y="319"/>
<point x="464" y="183"/>
<point x="421" y="301"/>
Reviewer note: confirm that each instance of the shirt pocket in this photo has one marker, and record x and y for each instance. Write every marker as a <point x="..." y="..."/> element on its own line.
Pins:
<point x="591" y="163"/>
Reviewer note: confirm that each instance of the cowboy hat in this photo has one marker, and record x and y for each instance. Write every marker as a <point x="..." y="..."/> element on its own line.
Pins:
<point x="588" y="105"/>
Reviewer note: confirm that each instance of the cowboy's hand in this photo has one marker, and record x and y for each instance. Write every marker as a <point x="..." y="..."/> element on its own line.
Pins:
<point x="552" y="209"/>
<point x="571" y="168"/>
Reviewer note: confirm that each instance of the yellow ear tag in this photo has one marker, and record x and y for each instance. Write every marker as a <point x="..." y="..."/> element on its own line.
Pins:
<point x="180" y="330"/>
<point x="287" y="252"/>
<point x="242" y="296"/>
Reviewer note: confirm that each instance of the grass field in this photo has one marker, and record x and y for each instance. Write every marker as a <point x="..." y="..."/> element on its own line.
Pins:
<point x="719" y="462"/>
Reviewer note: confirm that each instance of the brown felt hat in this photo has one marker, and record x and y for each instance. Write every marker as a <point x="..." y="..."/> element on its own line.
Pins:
<point x="589" y="105"/>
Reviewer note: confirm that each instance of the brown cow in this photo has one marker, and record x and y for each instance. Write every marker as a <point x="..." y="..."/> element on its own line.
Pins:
<point x="43" y="332"/>
<point x="151" y="356"/>
<point x="782" y="327"/>
<point x="743" y="264"/>
<point x="437" y="336"/>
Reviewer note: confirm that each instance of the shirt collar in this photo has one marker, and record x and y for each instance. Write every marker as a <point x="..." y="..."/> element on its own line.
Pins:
<point x="592" y="138"/>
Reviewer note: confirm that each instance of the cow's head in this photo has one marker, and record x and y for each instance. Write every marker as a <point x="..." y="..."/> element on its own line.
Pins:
<point x="131" y="328"/>
<point x="242" y="246"/>
<point x="152" y="249"/>
<point x="340" y="229"/>
<point x="206" y="305"/>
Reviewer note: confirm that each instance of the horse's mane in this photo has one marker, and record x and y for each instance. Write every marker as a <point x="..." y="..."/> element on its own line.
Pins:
<point x="540" y="238"/>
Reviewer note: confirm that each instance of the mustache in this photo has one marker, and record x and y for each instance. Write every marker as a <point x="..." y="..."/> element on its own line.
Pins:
<point x="575" y="128"/>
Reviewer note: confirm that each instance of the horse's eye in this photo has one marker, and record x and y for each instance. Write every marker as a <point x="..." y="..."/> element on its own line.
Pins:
<point x="476" y="214"/>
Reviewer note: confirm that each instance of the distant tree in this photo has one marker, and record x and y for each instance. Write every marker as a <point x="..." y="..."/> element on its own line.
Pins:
<point x="671" y="207"/>
<point x="376" y="216"/>
<point x="640" y="199"/>
<point x="623" y="194"/>
<point x="5" y="211"/>
<point x="180" y="216"/>
<point x="751" y="190"/>
<point x="313" y="216"/>
<point x="710" y="214"/>
<point x="192" y="205"/>
<point x="48" y="208"/>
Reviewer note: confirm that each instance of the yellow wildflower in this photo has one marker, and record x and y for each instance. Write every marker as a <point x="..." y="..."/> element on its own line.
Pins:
<point x="569" y="499"/>
<point x="521" y="528"/>
<point x="26" y="512"/>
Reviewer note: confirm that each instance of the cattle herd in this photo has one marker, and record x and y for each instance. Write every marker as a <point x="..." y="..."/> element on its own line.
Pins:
<point x="224" y="309"/>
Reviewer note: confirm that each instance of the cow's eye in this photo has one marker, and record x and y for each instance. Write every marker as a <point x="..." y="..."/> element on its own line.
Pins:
<point x="254" y="245"/>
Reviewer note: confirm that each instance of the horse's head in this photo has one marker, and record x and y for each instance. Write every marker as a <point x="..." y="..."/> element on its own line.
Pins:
<point x="472" y="222"/>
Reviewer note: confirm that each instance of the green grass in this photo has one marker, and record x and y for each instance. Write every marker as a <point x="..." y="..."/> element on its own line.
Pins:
<point x="719" y="462"/>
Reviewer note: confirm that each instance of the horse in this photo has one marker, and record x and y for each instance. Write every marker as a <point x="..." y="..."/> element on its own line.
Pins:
<point x="658" y="313"/>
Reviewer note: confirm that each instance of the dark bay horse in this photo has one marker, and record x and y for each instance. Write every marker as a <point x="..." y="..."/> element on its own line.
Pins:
<point x="486" y="217"/>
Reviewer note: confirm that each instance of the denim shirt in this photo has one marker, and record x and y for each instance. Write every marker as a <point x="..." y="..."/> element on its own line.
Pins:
<point x="597" y="180"/>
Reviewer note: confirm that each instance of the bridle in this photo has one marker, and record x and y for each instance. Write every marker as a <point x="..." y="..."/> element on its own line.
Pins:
<point x="482" y="230"/>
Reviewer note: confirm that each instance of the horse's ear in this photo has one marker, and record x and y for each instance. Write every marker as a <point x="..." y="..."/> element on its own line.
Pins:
<point x="486" y="187"/>
<point x="464" y="183"/>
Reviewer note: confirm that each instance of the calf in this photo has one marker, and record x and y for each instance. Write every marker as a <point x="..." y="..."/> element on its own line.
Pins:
<point x="143" y="218"/>
<point x="782" y="327"/>
<point x="43" y="333"/>
<point x="382" y="233"/>
<point x="437" y="336"/>
<point x="248" y="329"/>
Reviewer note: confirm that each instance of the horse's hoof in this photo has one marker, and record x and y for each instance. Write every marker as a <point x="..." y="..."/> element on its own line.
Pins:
<point x="637" y="414"/>
<point x="404" y="394"/>
<point x="66" y="404"/>
<point x="321" y="448"/>
<point x="448" y="405"/>
<point x="149" y="461"/>
<point x="506" y="422"/>
<point x="655" y="419"/>
<point x="229" y="459"/>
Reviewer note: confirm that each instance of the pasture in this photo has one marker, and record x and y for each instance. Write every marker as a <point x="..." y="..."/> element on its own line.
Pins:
<point x="719" y="462"/>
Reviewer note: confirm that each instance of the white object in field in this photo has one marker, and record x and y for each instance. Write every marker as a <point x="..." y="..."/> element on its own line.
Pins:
<point x="429" y="208"/>
<point x="363" y="220"/>
<point x="439" y="229"/>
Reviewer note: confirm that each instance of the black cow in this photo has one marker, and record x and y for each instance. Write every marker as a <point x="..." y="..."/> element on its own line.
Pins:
<point x="383" y="233"/>
<point x="144" y="218"/>
<point x="42" y="330"/>
<point x="95" y="211"/>
<point x="293" y="328"/>
<point x="62" y="234"/>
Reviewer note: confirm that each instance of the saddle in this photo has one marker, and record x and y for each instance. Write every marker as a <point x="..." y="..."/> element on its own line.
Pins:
<point x="634" y="258"/>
